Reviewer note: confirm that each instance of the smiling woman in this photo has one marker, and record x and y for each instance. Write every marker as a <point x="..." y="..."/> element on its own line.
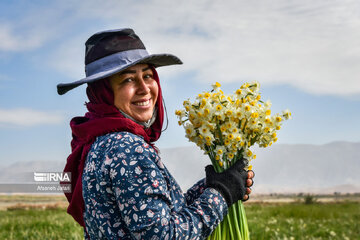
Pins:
<point x="135" y="92"/>
<point x="121" y="188"/>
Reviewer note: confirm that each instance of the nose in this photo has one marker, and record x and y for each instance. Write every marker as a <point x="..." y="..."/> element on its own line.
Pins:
<point x="142" y="87"/>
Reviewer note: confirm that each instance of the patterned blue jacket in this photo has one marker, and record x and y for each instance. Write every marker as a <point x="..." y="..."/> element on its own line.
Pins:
<point x="129" y="194"/>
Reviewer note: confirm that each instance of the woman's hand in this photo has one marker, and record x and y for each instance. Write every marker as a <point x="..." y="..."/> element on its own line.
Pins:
<point x="249" y="183"/>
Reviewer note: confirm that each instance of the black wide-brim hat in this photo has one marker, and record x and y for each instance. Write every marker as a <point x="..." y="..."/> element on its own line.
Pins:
<point x="110" y="52"/>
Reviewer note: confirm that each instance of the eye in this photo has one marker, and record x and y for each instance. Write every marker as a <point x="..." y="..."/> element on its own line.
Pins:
<point x="127" y="80"/>
<point x="148" y="76"/>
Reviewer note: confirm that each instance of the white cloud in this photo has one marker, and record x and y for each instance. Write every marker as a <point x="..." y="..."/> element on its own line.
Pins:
<point x="13" y="41"/>
<point x="312" y="45"/>
<point x="28" y="117"/>
<point x="35" y="25"/>
<point x="68" y="58"/>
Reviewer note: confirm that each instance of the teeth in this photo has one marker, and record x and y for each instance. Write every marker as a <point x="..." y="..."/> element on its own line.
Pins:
<point x="142" y="103"/>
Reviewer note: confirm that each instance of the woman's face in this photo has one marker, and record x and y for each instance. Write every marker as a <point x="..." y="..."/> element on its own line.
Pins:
<point x="135" y="91"/>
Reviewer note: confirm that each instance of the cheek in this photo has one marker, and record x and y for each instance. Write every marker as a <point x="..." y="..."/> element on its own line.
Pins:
<point x="155" y="91"/>
<point x="122" y="98"/>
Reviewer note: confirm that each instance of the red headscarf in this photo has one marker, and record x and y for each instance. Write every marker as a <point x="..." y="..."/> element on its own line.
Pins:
<point x="103" y="117"/>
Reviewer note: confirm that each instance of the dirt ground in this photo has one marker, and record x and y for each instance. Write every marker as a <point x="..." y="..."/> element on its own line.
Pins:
<point x="22" y="201"/>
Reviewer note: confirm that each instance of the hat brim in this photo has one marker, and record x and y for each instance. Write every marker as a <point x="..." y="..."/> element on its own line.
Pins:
<point x="156" y="60"/>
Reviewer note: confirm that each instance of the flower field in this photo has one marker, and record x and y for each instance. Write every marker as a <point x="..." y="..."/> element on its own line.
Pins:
<point x="46" y="218"/>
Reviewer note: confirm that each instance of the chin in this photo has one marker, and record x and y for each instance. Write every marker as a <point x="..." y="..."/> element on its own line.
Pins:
<point x="143" y="118"/>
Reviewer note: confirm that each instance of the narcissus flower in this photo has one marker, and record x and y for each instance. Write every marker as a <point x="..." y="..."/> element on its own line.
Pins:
<point x="226" y="126"/>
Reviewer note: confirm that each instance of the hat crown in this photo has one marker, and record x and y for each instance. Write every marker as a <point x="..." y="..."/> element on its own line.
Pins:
<point x="105" y="43"/>
<point x="111" y="51"/>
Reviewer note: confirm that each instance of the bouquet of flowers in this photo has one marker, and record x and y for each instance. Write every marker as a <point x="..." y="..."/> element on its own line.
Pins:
<point x="225" y="127"/>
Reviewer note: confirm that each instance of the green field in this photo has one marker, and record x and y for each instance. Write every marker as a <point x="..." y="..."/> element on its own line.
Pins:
<point x="41" y="218"/>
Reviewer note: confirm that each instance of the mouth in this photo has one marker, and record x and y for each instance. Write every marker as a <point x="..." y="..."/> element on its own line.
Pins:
<point x="142" y="103"/>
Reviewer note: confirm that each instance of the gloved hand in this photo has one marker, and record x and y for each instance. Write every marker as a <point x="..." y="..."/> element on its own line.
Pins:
<point x="231" y="183"/>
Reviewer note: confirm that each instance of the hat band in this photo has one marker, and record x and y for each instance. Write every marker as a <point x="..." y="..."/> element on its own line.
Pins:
<point x="116" y="60"/>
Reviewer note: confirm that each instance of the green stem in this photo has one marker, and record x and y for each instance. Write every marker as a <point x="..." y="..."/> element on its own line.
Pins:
<point x="235" y="220"/>
<point x="230" y="226"/>
<point x="219" y="231"/>
<point x="246" y="234"/>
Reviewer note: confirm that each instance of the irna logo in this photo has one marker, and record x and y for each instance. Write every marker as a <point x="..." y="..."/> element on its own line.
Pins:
<point x="52" y="176"/>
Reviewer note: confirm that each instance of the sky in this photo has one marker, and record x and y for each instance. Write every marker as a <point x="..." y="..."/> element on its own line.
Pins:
<point x="305" y="54"/>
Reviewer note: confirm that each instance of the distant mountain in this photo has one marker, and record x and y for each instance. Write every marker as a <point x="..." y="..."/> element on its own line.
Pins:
<point x="282" y="168"/>
<point x="24" y="171"/>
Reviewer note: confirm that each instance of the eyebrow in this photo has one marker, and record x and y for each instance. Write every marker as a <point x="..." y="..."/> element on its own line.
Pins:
<point x="133" y="71"/>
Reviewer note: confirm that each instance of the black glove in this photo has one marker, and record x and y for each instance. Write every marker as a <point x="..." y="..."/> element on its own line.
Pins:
<point x="231" y="183"/>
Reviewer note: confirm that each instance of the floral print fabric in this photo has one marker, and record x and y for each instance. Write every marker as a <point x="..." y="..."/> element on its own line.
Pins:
<point x="129" y="194"/>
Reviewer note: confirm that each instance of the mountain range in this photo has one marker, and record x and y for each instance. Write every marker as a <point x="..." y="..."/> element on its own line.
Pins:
<point x="282" y="168"/>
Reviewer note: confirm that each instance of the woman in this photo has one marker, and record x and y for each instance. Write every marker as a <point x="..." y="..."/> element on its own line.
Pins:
<point x="121" y="189"/>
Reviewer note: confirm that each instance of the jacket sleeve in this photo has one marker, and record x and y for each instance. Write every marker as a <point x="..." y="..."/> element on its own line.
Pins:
<point x="143" y="197"/>
<point x="195" y="191"/>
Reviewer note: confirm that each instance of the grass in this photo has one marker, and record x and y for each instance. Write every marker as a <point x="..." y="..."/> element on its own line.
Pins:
<point x="296" y="220"/>
<point x="304" y="221"/>
<point x="38" y="223"/>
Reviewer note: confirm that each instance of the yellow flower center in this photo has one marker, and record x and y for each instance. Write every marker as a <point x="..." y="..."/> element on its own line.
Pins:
<point x="223" y="128"/>
<point x="249" y="153"/>
<point x="255" y="115"/>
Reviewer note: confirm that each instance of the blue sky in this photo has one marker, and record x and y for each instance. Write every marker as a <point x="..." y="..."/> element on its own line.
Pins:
<point x="305" y="54"/>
